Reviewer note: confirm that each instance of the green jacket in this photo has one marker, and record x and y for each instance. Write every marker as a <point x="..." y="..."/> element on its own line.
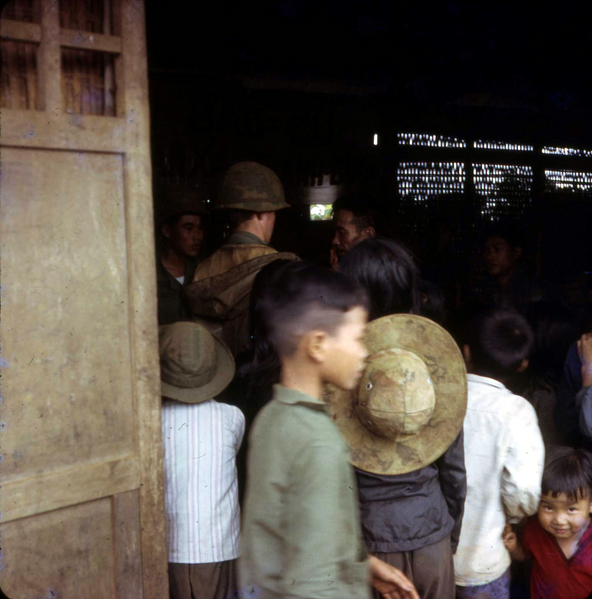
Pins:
<point x="301" y="525"/>
<point x="220" y="293"/>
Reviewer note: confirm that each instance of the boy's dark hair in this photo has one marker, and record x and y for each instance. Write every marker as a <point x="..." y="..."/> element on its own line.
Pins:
<point x="500" y="339"/>
<point x="300" y="298"/>
<point x="568" y="471"/>
<point x="363" y="208"/>
<point x="388" y="273"/>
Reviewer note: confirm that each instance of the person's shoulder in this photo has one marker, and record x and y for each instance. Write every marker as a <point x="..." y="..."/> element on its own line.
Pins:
<point x="494" y="395"/>
<point x="293" y="425"/>
<point x="228" y="411"/>
<point x="520" y="408"/>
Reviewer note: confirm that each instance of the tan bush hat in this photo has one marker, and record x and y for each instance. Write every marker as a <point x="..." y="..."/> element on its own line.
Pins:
<point x="194" y="365"/>
<point x="411" y="401"/>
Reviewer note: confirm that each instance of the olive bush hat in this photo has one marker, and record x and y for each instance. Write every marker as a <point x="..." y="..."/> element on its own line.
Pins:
<point x="411" y="401"/>
<point x="176" y="202"/>
<point x="251" y="186"/>
<point x="194" y="365"/>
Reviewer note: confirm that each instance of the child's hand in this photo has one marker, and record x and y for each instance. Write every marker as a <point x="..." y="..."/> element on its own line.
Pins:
<point x="510" y="539"/>
<point x="390" y="582"/>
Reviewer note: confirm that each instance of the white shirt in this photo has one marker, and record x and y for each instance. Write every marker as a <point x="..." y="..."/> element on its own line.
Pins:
<point x="201" y="488"/>
<point x="504" y="456"/>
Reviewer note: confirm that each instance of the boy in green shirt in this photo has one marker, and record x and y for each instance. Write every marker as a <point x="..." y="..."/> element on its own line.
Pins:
<point x="301" y="529"/>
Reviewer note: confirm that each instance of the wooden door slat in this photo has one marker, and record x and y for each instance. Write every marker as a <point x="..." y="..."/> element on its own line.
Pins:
<point x="59" y="489"/>
<point x="84" y="40"/>
<point x="62" y="132"/>
<point x="126" y="533"/>
<point x="19" y="31"/>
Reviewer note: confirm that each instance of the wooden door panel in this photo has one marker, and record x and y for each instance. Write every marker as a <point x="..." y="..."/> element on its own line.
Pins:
<point x="75" y="552"/>
<point x="64" y="265"/>
<point x="82" y="498"/>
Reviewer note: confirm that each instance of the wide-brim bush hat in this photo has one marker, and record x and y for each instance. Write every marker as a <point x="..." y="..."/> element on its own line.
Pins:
<point x="411" y="401"/>
<point x="175" y="202"/>
<point x="195" y="365"/>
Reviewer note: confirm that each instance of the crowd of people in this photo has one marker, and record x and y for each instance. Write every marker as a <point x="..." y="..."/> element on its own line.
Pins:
<point x="335" y="431"/>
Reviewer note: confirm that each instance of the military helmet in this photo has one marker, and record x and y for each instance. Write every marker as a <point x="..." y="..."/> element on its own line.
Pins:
<point x="251" y="186"/>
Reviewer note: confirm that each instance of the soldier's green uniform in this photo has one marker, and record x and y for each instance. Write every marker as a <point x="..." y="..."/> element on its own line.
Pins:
<point x="220" y="292"/>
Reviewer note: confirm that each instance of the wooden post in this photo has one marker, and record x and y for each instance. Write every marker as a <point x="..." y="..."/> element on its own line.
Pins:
<point x="142" y="284"/>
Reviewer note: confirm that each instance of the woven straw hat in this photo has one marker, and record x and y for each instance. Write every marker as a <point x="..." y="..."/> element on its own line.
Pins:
<point x="194" y="365"/>
<point x="411" y="400"/>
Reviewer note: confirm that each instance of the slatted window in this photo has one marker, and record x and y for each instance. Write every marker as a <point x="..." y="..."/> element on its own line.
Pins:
<point x="88" y="85"/>
<point x="567" y="152"/>
<point x="18" y="48"/>
<point x="88" y="50"/>
<point x="19" y="88"/>
<point x="22" y="10"/>
<point x="506" y="190"/>
<point x="430" y="141"/>
<point x="86" y="15"/>
<point x="568" y="181"/>
<point x="501" y="145"/>
<point x="419" y="181"/>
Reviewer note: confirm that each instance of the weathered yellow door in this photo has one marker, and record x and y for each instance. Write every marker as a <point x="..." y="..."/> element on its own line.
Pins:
<point x="81" y="497"/>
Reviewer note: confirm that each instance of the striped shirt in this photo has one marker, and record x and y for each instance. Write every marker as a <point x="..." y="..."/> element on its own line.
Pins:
<point x="201" y="489"/>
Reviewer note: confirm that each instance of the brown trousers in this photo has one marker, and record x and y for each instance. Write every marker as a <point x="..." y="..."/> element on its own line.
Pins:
<point x="430" y="569"/>
<point x="203" y="581"/>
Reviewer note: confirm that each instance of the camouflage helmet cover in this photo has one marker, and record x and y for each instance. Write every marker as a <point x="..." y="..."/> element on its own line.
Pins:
<point x="251" y="186"/>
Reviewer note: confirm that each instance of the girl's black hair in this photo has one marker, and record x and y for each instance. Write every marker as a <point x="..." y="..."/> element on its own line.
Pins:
<point x="388" y="273"/>
<point x="568" y="471"/>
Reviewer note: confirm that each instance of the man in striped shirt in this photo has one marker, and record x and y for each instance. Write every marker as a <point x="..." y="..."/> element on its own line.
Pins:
<point x="201" y="439"/>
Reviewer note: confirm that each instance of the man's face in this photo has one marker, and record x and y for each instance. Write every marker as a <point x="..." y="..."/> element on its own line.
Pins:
<point x="563" y="518"/>
<point x="346" y="233"/>
<point x="499" y="256"/>
<point x="186" y="235"/>
<point x="346" y="353"/>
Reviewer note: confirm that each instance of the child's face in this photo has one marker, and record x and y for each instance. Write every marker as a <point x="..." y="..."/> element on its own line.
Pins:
<point x="346" y="351"/>
<point x="562" y="517"/>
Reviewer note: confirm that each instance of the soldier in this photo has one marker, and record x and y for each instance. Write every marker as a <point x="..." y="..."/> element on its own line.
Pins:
<point x="181" y="228"/>
<point x="219" y="295"/>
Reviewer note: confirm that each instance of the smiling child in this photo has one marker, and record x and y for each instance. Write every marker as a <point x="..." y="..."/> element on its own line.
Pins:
<point x="559" y="538"/>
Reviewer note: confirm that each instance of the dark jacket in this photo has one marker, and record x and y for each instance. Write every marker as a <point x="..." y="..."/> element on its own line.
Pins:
<point x="168" y="289"/>
<point x="567" y="411"/>
<point x="409" y="511"/>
